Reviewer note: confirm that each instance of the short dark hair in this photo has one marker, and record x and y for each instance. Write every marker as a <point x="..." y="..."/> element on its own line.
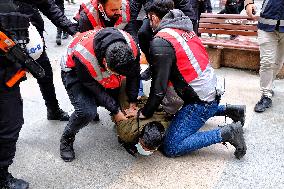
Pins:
<point x="152" y="135"/>
<point x="119" y="58"/>
<point x="159" y="7"/>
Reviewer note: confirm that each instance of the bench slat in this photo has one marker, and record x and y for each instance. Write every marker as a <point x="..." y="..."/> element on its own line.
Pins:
<point x="228" y="26"/>
<point x="226" y="16"/>
<point x="248" y="45"/>
<point x="228" y="32"/>
<point x="228" y="21"/>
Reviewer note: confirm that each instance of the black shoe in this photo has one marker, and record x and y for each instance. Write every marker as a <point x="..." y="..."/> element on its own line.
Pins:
<point x="146" y="75"/>
<point x="66" y="148"/>
<point x="9" y="182"/>
<point x="97" y="118"/>
<point x="65" y="36"/>
<point x="236" y="113"/>
<point x="57" y="115"/>
<point x="234" y="134"/>
<point x="264" y="103"/>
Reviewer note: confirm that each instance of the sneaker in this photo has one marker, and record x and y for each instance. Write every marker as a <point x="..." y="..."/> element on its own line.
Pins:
<point x="13" y="183"/>
<point x="264" y="103"/>
<point x="57" y="115"/>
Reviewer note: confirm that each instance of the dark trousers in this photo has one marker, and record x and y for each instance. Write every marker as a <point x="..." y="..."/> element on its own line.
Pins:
<point x="46" y="83"/>
<point x="84" y="104"/>
<point x="60" y="4"/>
<point x="11" y="121"/>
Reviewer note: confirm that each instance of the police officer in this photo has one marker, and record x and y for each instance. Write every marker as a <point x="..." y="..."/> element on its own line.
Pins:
<point x="179" y="56"/>
<point x="60" y="20"/>
<point x="15" y="25"/>
<point x="92" y="73"/>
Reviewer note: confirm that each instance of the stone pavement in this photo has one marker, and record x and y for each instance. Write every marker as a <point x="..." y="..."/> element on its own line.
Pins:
<point x="102" y="163"/>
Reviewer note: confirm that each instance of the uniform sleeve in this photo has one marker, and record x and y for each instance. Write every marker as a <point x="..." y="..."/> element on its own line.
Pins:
<point x="57" y="17"/>
<point x="99" y="92"/>
<point x="161" y="56"/>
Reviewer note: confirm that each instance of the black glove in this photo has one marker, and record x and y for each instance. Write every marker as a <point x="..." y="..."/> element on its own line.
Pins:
<point x="73" y="29"/>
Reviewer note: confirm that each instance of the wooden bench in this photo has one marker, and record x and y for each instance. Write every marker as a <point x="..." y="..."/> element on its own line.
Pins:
<point x="242" y="52"/>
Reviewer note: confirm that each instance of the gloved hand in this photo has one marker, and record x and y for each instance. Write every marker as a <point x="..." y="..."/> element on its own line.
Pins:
<point x="73" y="29"/>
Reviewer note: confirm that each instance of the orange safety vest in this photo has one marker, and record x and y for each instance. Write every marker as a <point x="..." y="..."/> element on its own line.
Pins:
<point x="192" y="58"/>
<point x="82" y="47"/>
<point x="92" y="12"/>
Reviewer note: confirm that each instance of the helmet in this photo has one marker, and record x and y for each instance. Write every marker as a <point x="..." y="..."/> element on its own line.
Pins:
<point x="35" y="46"/>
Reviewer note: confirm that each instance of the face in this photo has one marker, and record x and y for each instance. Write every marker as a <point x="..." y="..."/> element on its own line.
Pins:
<point x="113" y="9"/>
<point x="154" y="21"/>
<point x="143" y="150"/>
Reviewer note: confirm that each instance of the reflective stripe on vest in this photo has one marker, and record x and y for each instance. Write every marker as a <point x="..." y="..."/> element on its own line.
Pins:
<point x="92" y="12"/>
<point x="267" y="21"/>
<point x="130" y="42"/>
<point x="191" y="56"/>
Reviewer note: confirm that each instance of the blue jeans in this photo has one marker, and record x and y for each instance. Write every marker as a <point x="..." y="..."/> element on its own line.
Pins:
<point x="141" y="91"/>
<point x="183" y="136"/>
<point x="84" y="104"/>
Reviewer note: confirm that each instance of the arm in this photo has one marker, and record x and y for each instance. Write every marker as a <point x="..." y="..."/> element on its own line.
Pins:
<point x="250" y="8"/>
<point x="132" y="83"/>
<point x="99" y="93"/>
<point x="162" y="57"/>
<point x="52" y="12"/>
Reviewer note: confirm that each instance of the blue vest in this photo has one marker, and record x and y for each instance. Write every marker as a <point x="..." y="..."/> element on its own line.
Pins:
<point x="272" y="14"/>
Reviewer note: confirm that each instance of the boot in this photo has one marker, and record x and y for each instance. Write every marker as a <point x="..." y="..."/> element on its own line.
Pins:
<point x="236" y="113"/>
<point x="58" y="37"/>
<point x="97" y="118"/>
<point x="233" y="133"/>
<point x="65" y="35"/>
<point x="7" y="181"/>
<point x="66" y="147"/>
<point x="57" y="114"/>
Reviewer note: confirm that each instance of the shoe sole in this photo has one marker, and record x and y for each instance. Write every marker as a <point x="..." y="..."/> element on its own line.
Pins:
<point x="58" y="42"/>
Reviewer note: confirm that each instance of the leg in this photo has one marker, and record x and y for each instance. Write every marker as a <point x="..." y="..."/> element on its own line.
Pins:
<point x="11" y="121"/>
<point x="85" y="111"/>
<point x="268" y="45"/>
<point x="58" y="36"/>
<point x="48" y="91"/>
<point x="182" y="136"/>
<point x="279" y="55"/>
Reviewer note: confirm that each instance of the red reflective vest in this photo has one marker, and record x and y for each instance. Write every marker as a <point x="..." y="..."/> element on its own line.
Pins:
<point x="92" y="12"/>
<point x="82" y="47"/>
<point x="191" y="56"/>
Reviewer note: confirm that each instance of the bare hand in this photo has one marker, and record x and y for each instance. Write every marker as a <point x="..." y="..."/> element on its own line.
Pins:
<point x="250" y="9"/>
<point x="119" y="117"/>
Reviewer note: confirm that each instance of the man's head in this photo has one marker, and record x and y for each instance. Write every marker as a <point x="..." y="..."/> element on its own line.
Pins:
<point x="110" y="8"/>
<point x="150" y="138"/>
<point x="156" y="10"/>
<point x="119" y="59"/>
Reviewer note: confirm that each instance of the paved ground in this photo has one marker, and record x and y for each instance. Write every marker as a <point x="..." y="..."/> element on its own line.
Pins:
<point x="102" y="163"/>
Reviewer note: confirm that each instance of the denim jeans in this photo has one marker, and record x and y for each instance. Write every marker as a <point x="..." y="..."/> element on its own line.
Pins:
<point x="84" y="104"/>
<point x="183" y="136"/>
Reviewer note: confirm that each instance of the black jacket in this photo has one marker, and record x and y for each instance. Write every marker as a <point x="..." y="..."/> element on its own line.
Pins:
<point x="164" y="68"/>
<point x="107" y="98"/>
<point x="50" y="10"/>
